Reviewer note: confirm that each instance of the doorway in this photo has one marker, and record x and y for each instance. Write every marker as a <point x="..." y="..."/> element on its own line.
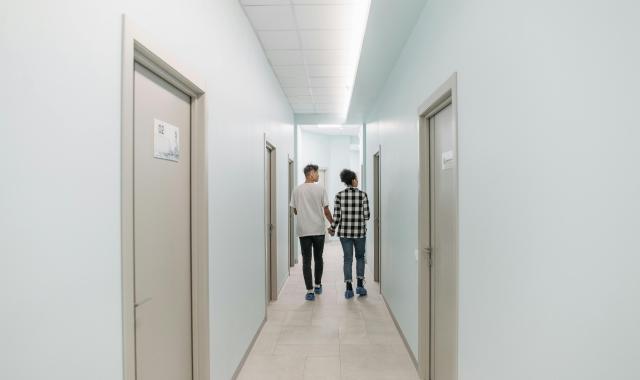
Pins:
<point x="438" y="223"/>
<point x="292" y="246"/>
<point x="271" y="215"/>
<point x="376" y="218"/>
<point x="164" y="219"/>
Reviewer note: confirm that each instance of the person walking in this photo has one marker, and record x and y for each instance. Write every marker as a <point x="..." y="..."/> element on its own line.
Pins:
<point x="350" y="216"/>
<point x="310" y="204"/>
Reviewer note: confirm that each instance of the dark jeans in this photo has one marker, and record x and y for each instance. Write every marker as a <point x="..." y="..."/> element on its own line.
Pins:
<point x="306" y="244"/>
<point x="348" y="246"/>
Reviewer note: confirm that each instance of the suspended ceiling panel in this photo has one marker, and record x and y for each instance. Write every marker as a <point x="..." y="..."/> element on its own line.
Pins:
<point x="313" y="47"/>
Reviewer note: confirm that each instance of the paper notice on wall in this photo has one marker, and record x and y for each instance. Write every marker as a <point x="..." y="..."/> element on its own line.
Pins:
<point x="448" y="160"/>
<point x="166" y="141"/>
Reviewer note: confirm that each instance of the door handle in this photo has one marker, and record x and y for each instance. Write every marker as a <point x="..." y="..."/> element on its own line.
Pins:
<point x="143" y="301"/>
<point x="427" y="252"/>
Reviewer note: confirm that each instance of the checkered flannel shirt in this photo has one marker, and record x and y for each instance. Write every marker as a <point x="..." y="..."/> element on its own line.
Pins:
<point x="350" y="213"/>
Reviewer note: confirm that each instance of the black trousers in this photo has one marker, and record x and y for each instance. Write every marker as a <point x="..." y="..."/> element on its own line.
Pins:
<point x="306" y="244"/>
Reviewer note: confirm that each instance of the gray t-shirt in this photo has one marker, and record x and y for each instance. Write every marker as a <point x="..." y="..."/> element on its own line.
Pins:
<point x="310" y="199"/>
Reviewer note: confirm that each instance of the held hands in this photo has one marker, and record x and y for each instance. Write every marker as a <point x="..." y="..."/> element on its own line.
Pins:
<point x="331" y="231"/>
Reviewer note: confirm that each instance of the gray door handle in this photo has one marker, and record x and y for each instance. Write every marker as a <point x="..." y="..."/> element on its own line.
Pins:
<point x="143" y="301"/>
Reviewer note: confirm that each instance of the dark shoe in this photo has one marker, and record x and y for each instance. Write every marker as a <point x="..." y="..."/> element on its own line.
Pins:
<point x="348" y="294"/>
<point x="318" y="289"/>
<point x="360" y="290"/>
<point x="310" y="297"/>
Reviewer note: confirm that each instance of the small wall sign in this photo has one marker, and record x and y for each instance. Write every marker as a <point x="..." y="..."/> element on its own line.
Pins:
<point x="166" y="141"/>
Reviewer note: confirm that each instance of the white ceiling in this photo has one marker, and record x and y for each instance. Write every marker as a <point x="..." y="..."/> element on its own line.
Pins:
<point x="313" y="47"/>
<point x="333" y="129"/>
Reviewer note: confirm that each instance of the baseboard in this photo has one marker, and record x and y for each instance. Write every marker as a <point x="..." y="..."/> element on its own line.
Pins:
<point x="404" y="339"/>
<point x="246" y="354"/>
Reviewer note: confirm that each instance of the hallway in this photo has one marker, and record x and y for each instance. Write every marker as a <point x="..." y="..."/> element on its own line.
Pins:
<point x="331" y="337"/>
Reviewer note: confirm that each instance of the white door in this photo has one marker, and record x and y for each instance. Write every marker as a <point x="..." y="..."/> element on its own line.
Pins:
<point x="443" y="246"/>
<point x="162" y="229"/>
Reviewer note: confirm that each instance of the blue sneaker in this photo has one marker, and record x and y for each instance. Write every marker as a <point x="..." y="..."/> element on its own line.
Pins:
<point x="348" y="294"/>
<point x="318" y="289"/>
<point x="360" y="290"/>
<point x="310" y="297"/>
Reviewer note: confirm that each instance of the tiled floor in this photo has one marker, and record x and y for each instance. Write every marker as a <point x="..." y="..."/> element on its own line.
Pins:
<point x="331" y="337"/>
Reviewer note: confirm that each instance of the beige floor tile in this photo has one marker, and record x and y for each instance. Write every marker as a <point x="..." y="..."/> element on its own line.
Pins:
<point x="308" y="335"/>
<point x="307" y="350"/>
<point x="322" y="368"/>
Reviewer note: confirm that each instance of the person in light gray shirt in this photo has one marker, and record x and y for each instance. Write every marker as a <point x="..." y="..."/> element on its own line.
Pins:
<point x="310" y="204"/>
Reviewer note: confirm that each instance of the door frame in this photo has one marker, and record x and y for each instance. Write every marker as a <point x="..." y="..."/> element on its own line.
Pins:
<point x="377" y="227"/>
<point x="446" y="94"/>
<point x="272" y="269"/>
<point x="137" y="48"/>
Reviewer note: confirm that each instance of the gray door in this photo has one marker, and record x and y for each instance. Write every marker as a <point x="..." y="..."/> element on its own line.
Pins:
<point x="269" y="226"/>
<point x="443" y="245"/>
<point x="162" y="237"/>
<point x="376" y="217"/>
<point x="270" y="215"/>
<point x="292" y="259"/>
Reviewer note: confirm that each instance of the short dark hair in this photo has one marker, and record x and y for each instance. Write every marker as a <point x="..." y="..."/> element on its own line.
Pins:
<point x="347" y="176"/>
<point x="309" y="168"/>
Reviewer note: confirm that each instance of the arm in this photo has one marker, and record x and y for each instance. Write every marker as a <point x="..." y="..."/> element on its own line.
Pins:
<point x="336" y="213"/>
<point x="327" y="214"/>
<point x="365" y="207"/>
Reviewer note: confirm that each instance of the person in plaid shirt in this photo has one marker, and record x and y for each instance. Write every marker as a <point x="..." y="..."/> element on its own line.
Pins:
<point x="350" y="216"/>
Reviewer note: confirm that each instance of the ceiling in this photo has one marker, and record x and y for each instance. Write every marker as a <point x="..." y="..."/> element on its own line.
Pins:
<point x="388" y="29"/>
<point x="333" y="130"/>
<point x="313" y="47"/>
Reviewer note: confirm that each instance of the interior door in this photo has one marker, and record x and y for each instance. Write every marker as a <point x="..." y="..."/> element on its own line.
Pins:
<point x="268" y="222"/>
<point x="292" y="259"/>
<point x="443" y="246"/>
<point x="376" y="217"/>
<point x="162" y="225"/>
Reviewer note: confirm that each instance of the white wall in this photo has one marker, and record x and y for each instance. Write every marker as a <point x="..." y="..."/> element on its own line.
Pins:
<point x="548" y="193"/>
<point x="60" y="164"/>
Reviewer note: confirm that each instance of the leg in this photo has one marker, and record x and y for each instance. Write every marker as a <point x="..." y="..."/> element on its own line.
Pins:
<point x="360" y="245"/>
<point x="305" y="247"/>
<point x="347" y="249"/>
<point x="318" y="248"/>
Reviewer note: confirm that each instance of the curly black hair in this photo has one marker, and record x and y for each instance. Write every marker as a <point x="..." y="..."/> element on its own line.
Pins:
<point x="309" y="168"/>
<point x="347" y="176"/>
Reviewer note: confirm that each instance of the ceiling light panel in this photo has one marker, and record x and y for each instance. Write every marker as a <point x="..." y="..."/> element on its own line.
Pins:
<point x="326" y="39"/>
<point x="311" y="17"/>
<point x="328" y="57"/>
<point x="313" y="47"/>
<point x="335" y="91"/>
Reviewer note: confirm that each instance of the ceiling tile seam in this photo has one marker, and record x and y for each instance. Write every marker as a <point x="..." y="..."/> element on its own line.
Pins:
<point x="304" y="59"/>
